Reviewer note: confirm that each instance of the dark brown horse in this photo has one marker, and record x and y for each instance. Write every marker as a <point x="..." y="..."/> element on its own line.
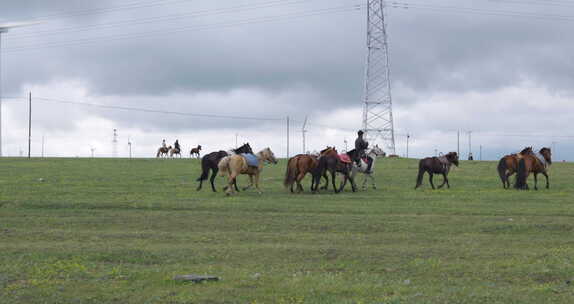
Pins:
<point x="211" y="160"/>
<point x="533" y="163"/>
<point x="437" y="165"/>
<point x="297" y="167"/>
<point x="508" y="165"/>
<point x="329" y="161"/>
<point x="195" y="151"/>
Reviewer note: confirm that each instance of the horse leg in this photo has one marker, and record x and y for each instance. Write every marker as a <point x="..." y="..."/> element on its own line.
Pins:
<point x="443" y="180"/>
<point x="231" y="180"/>
<point x="250" y="183"/>
<point x="430" y="180"/>
<point x="535" y="181"/>
<point x="547" y="182"/>
<point x="300" y="177"/>
<point x="364" y="186"/>
<point x="353" y="185"/>
<point x="212" y="178"/>
<point x="333" y="174"/>
<point x="257" y="183"/>
<point x="343" y="182"/>
<point x="326" y="177"/>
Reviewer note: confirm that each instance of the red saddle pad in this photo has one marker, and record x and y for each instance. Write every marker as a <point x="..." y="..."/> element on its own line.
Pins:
<point x="345" y="158"/>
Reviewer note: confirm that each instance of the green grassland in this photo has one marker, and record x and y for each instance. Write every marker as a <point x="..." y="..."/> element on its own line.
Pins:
<point x="118" y="231"/>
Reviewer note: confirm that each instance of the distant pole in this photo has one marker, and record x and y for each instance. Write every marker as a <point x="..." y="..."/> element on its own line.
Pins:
<point x="236" y="135"/>
<point x="43" y="146"/>
<point x="92" y="149"/>
<point x="346" y="146"/>
<point x="287" y="137"/>
<point x="469" y="142"/>
<point x="435" y="152"/>
<point x="115" y="144"/>
<point x="458" y="142"/>
<point x="29" y="124"/>
<point x="408" y="137"/>
<point x="303" y="131"/>
<point x="480" y="154"/>
<point x="130" y="146"/>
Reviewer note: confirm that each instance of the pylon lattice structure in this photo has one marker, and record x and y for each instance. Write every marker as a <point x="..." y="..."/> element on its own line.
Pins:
<point x="378" y="105"/>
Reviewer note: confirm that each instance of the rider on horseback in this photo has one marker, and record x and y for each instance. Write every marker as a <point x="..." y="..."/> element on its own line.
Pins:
<point x="176" y="146"/>
<point x="361" y="146"/>
<point x="163" y="144"/>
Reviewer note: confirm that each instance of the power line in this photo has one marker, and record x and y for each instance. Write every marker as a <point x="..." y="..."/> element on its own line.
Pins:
<point x="165" y="18"/>
<point x="123" y="108"/>
<point x="103" y="10"/>
<point x="291" y="16"/>
<point x="479" y="11"/>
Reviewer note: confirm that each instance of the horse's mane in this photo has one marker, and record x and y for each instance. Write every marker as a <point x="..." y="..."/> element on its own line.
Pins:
<point x="527" y="150"/>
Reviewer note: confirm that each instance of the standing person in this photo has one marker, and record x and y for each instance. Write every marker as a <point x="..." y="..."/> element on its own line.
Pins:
<point x="361" y="145"/>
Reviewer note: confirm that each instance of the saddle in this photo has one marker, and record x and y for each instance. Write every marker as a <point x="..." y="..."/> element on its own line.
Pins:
<point x="345" y="158"/>
<point x="251" y="159"/>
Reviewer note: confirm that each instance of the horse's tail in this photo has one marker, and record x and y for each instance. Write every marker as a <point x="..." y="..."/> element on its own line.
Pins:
<point x="223" y="165"/>
<point x="290" y="173"/>
<point x="421" y="174"/>
<point x="204" y="170"/>
<point x="502" y="169"/>
<point x="521" y="174"/>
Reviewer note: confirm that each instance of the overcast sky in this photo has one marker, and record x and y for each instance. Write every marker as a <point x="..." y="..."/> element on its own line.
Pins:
<point x="502" y="69"/>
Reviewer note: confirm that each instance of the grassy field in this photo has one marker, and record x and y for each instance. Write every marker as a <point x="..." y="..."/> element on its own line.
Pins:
<point x="118" y="231"/>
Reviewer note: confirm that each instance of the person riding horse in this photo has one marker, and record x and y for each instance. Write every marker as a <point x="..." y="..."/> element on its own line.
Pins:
<point x="176" y="146"/>
<point x="361" y="146"/>
<point x="163" y="144"/>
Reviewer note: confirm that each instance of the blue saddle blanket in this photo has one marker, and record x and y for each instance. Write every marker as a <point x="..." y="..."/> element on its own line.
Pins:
<point x="251" y="159"/>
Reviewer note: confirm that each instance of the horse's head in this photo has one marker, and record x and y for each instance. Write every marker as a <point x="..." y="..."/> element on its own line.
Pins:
<point x="527" y="150"/>
<point x="377" y="151"/>
<point x="547" y="154"/>
<point x="198" y="147"/>
<point x="452" y="157"/>
<point x="268" y="155"/>
<point x="246" y="148"/>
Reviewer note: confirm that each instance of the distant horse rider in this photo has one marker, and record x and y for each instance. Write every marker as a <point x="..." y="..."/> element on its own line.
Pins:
<point x="361" y="146"/>
<point x="163" y="144"/>
<point x="176" y="146"/>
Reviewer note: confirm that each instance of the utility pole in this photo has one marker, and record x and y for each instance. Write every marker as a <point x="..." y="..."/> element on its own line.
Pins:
<point x="236" y="136"/>
<point x="92" y="149"/>
<point x="346" y="145"/>
<point x="287" y="137"/>
<point x="377" y="103"/>
<point x="115" y="144"/>
<point x="43" y="145"/>
<point x="408" y="137"/>
<point x="130" y="147"/>
<point x="29" y="124"/>
<point x="458" y="142"/>
<point x="469" y="142"/>
<point x="303" y="131"/>
<point x="480" y="154"/>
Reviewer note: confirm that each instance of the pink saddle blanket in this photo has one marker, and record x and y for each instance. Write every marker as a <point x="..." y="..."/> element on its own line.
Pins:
<point x="345" y="158"/>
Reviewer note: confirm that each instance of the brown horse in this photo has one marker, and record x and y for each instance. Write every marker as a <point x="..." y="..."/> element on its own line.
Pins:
<point x="297" y="167"/>
<point x="329" y="161"/>
<point x="195" y="151"/>
<point x="174" y="151"/>
<point x="437" y="165"/>
<point x="162" y="151"/>
<point x="234" y="165"/>
<point x="533" y="163"/>
<point x="508" y="165"/>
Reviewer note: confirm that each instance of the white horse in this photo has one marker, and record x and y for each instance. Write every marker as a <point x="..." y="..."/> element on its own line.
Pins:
<point x="372" y="153"/>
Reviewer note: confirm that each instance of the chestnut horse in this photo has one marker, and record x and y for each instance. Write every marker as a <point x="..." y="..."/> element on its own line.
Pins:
<point x="297" y="167"/>
<point x="195" y="151"/>
<point x="508" y="165"/>
<point x="174" y="151"/>
<point x="437" y="165"/>
<point x="533" y="163"/>
<point x="234" y="165"/>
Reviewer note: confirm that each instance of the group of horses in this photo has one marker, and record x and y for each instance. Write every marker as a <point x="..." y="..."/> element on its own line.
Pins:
<point x="523" y="164"/>
<point x="234" y="163"/>
<point x="329" y="162"/>
<point x="173" y="152"/>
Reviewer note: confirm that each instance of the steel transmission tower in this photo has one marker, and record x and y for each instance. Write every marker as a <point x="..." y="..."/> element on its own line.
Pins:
<point x="378" y="106"/>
